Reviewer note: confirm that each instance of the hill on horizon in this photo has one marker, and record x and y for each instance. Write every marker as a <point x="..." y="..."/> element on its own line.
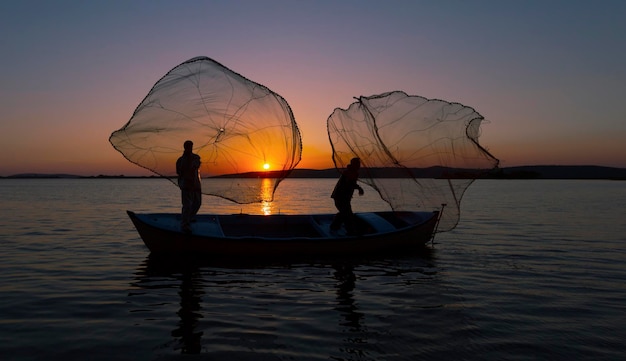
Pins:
<point x="519" y="172"/>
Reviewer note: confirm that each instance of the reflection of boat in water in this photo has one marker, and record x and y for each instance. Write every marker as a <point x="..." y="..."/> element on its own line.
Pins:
<point x="281" y="235"/>
<point x="161" y="277"/>
<point x="250" y="309"/>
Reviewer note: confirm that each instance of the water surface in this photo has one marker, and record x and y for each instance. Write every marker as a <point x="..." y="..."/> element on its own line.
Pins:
<point x="534" y="271"/>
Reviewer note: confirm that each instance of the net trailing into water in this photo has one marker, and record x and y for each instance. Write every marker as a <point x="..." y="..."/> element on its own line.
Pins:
<point x="417" y="153"/>
<point x="238" y="127"/>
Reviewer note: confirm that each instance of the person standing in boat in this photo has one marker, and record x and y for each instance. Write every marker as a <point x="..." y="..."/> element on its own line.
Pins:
<point x="187" y="167"/>
<point x="342" y="194"/>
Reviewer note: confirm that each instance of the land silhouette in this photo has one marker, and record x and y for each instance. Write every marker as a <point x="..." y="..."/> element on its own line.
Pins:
<point x="520" y="172"/>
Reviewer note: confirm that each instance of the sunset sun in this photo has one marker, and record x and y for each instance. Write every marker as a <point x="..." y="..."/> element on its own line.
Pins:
<point x="266" y="166"/>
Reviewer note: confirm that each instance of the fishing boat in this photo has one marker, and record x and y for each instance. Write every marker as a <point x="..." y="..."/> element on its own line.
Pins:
<point x="240" y="235"/>
<point x="239" y="126"/>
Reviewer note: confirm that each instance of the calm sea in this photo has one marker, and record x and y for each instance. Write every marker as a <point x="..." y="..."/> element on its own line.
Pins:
<point x="534" y="271"/>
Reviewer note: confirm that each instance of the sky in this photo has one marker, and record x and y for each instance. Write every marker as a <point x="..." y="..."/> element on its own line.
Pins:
<point x="548" y="76"/>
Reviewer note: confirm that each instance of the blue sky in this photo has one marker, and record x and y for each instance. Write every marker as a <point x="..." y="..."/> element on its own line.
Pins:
<point x="549" y="76"/>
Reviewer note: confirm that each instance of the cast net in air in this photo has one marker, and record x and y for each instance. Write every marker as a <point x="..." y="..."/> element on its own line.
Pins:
<point x="238" y="127"/>
<point x="417" y="153"/>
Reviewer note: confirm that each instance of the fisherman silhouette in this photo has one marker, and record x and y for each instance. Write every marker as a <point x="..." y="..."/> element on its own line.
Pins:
<point x="342" y="194"/>
<point x="190" y="186"/>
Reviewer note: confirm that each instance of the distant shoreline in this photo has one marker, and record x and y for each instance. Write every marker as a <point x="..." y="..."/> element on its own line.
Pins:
<point x="521" y="172"/>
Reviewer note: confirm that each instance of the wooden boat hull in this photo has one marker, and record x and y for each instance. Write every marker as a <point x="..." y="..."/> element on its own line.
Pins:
<point x="280" y="235"/>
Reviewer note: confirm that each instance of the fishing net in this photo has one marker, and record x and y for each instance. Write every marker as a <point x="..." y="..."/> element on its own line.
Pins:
<point x="416" y="152"/>
<point x="238" y="127"/>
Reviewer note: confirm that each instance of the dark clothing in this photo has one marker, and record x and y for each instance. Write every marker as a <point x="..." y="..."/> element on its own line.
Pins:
<point x="190" y="186"/>
<point x="187" y="169"/>
<point x="346" y="184"/>
<point x="191" y="200"/>
<point x="342" y="194"/>
<point x="344" y="216"/>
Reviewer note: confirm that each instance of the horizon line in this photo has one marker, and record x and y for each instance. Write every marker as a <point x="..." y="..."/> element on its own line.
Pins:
<point x="121" y="175"/>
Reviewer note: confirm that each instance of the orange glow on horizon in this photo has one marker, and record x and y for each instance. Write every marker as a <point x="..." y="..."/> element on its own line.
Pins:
<point x="315" y="158"/>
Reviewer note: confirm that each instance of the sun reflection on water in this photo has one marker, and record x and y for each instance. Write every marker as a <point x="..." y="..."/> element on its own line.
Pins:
<point x="266" y="195"/>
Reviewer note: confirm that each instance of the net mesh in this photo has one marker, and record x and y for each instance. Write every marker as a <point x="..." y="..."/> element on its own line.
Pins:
<point x="237" y="127"/>
<point x="417" y="153"/>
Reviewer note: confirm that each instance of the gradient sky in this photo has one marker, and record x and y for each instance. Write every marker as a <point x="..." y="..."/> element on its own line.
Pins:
<point x="549" y="76"/>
